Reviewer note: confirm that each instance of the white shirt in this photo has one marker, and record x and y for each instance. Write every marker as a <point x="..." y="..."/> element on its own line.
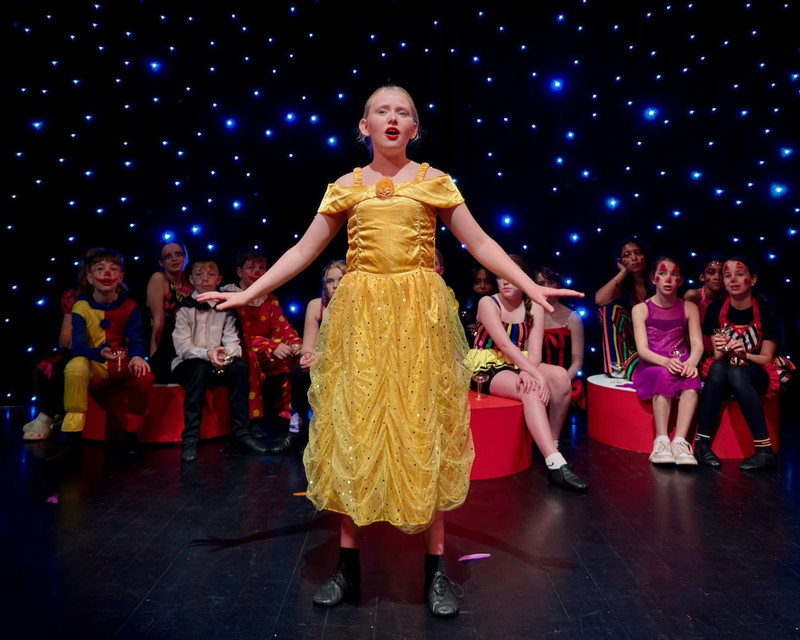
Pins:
<point x="198" y="330"/>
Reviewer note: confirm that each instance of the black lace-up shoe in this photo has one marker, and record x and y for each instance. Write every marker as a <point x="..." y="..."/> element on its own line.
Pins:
<point x="335" y="589"/>
<point x="444" y="596"/>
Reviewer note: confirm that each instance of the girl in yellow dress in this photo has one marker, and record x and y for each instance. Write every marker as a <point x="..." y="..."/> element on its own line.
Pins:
<point x="389" y="439"/>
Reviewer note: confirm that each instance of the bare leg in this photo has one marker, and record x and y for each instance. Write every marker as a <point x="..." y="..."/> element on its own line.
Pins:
<point x="687" y="405"/>
<point x="504" y="384"/>
<point x="661" y="408"/>
<point x="560" y="396"/>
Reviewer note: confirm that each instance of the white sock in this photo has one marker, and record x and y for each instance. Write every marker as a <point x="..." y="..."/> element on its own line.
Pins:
<point x="663" y="439"/>
<point x="555" y="442"/>
<point x="679" y="439"/>
<point x="555" y="460"/>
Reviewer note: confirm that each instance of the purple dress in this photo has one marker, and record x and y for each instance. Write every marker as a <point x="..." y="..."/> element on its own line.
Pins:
<point x="667" y="330"/>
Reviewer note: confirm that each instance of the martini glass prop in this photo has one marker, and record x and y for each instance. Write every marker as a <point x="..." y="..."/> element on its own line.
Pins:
<point x="617" y="372"/>
<point x="724" y="331"/>
<point x="480" y="377"/>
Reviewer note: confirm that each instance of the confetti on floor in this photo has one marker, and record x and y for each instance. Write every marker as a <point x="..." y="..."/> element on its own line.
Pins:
<point x="474" y="556"/>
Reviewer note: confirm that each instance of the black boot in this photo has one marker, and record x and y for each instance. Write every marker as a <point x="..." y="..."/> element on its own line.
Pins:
<point x="763" y="458"/>
<point x="442" y="594"/>
<point x="257" y="431"/>
<point x="343" y="583"/>
<point x="249" y="443"/>
<point x="189" y="452"/>
<point x="565" y="477"/>
<point x="292" y="441"/>
<point x="704" y="454"/>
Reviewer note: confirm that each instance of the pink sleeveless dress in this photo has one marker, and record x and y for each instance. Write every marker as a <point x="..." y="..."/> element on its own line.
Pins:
<point x="667" y="331"/>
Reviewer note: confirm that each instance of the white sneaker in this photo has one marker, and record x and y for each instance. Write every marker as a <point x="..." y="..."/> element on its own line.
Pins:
<point x="682" y="452"/>
<point x="38" y="429"/>
<point x="662" y="453"/>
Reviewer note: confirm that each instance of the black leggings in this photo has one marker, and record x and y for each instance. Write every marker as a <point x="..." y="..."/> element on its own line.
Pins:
<point x="746" y="383"/>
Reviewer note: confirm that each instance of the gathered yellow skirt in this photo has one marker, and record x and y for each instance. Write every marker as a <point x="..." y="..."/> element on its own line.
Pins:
<point x="390" y="439"/>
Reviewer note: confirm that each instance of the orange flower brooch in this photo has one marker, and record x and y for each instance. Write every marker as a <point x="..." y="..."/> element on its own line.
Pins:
<point x="384" y="188"/>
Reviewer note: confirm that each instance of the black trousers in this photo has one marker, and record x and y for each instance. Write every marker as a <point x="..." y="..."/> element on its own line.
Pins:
<point x="746" y="384"/>
<point x="196" y="375"/>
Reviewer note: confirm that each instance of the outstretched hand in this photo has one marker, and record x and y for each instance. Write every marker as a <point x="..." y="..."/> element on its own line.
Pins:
<point x="540" y="295"/>
<point x="224" y="299"/>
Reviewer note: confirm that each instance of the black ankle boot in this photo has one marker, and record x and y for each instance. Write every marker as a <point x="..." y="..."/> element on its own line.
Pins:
<point x="761" y="459"/>
<point x="291" y="441"/>
<point x="189" y="451"/>
<point x="442" y="594"/>
<point x="344" y="582"/>
<point x="249" y="443"/>
<point x="565" y="477"/>
<point x="704" y="454"/>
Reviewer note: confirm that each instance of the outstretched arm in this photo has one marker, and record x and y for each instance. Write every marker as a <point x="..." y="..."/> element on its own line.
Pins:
<point x="320" y="232"/>
<point x="491" y="255"/>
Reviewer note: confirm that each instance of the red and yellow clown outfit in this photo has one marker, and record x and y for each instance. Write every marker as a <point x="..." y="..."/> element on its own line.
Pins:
<point x="265" y="327"/>
<point x="96" y="326"/>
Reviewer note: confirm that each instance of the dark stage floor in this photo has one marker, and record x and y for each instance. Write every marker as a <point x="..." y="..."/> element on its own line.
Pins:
<point x="152" y="548"/>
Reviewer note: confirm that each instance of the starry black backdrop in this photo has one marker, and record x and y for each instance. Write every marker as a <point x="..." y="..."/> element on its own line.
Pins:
<point x="566" y="125"/>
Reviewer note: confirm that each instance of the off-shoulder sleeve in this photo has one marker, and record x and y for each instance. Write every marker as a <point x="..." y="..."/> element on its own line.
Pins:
<point x="338" y="198"/>
<point x="440" y="192"/>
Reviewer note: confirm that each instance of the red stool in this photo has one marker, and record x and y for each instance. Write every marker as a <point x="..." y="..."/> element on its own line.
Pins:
<point x="163" y="421"/>
<point x="106" y="414"/>
<point x="502" y="442"/>
<point x="618" y="418"/>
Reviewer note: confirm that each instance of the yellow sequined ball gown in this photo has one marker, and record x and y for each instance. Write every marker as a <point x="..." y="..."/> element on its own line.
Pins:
<point x="390" y="439"/>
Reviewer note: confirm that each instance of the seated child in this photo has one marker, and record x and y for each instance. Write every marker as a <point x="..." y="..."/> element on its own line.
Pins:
<point x="563" y="335"/>
<point x="272" y="344"/>
<point x="616" y="298"/>
<point x="670" y="348"/>
<point x="745" y="332"/>
<point x="108" y="348"/>
<point x="209" y="353"/>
